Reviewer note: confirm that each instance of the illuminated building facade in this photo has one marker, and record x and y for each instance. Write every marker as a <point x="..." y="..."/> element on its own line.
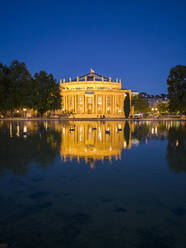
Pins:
<point x="93" y="96"/>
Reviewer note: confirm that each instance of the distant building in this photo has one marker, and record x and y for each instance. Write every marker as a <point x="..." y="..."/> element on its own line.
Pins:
<point x="92" y="96"/>
<point x="154" y="100"/>
<point x="134" y="93"/>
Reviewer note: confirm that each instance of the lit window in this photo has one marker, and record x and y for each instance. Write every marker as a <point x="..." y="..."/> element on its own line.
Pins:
<point x="99" y="135"/>
<point x="89" y="100"/>
<point x="80" y="100"/>
<point x="99" y="99"/>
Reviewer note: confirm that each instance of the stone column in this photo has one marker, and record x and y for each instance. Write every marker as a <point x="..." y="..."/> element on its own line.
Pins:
<point x="72" y="103"/>
<point x="64" y="105"/>
<point x="85" y="105"/>
<point x="96" y="104"/>
<point x="82" y="105"/>
<point x="122" y="99"/>
<point x="83" y="100"/>
<point x="68" y="99"/>
<point x="75" y="105"/>
<point x="67" y="102"/>
<point x="114" y="104"/>
<point x="64" y="97"/>
<point x="102" y="104"/>
<point x="106" y="104"/>
<point x="120" y="104"/>
<point x="93" y="104"/>
<point x="111" y="104"/>
<point x="116" y="101"/>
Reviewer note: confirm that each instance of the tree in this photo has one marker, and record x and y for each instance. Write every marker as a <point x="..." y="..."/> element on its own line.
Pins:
<point x="177" y="89"/>
<point x="47" y="93"/>
<point x="127" y="105"/>
<point x="2" y="88"/>
<point x="163" y="107"/>
<point x="140" y="104"/>
<point x="15" y="87"/>
<point x="21" y="85"/>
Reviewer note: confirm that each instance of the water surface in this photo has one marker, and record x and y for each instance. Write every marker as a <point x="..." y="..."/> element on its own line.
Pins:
<point x="93" y="184"/>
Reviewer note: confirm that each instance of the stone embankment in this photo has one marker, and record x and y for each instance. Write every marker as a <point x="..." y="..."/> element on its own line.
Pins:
<point x="93" y="119"/>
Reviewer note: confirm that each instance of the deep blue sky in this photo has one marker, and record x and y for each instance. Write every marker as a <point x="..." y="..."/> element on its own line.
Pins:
<point x="137" y="41"/>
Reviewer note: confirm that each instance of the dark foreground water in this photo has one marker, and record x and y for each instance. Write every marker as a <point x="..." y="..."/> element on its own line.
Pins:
<point x="93" y="184"/>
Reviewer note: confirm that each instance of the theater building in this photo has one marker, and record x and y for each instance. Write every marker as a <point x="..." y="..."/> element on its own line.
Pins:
<point x="93" y="96"/>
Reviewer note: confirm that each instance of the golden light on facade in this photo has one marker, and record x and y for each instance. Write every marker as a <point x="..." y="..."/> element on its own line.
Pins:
<point x="92" y="96"/>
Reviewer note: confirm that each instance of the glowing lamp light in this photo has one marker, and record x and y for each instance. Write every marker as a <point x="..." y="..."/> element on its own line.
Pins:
<point x="25" y="129"/>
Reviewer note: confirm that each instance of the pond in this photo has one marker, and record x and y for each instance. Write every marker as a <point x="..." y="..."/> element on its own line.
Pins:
<point x="93" y="184"/>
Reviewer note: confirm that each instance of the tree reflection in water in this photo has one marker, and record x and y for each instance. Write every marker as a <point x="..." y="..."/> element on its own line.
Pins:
<point x="176" y="148"/>
<point x="127" y="133"/>
<point x="23" y="143"/>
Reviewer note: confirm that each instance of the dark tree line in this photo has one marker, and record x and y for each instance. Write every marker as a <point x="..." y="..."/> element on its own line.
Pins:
<point x="41" y="146"/>
<point x="176" y="148"/>
<point x="18" y="89"/>
<point x="177" y="89"/>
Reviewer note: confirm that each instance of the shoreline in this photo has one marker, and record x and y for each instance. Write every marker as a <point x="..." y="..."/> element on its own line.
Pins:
<point x="91" y="119"/>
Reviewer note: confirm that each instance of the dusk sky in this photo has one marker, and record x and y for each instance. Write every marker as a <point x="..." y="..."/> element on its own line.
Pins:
<point x="137" y="41"/>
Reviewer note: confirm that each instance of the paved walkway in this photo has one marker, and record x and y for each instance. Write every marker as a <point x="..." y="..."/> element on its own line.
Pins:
<point x="92" y="119"/>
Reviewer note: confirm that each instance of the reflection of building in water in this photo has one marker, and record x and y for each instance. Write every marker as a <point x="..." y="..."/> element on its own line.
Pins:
<point x="93" y="141"/>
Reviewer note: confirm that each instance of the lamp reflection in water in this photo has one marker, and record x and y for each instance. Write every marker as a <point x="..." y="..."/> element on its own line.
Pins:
<point x="91" y="142"/>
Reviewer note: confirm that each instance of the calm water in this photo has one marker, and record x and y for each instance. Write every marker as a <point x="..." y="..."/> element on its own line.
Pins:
<point x="93" y="184"/>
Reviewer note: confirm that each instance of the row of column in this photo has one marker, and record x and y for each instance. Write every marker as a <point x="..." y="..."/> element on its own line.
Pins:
<point x="73" y="103"/>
